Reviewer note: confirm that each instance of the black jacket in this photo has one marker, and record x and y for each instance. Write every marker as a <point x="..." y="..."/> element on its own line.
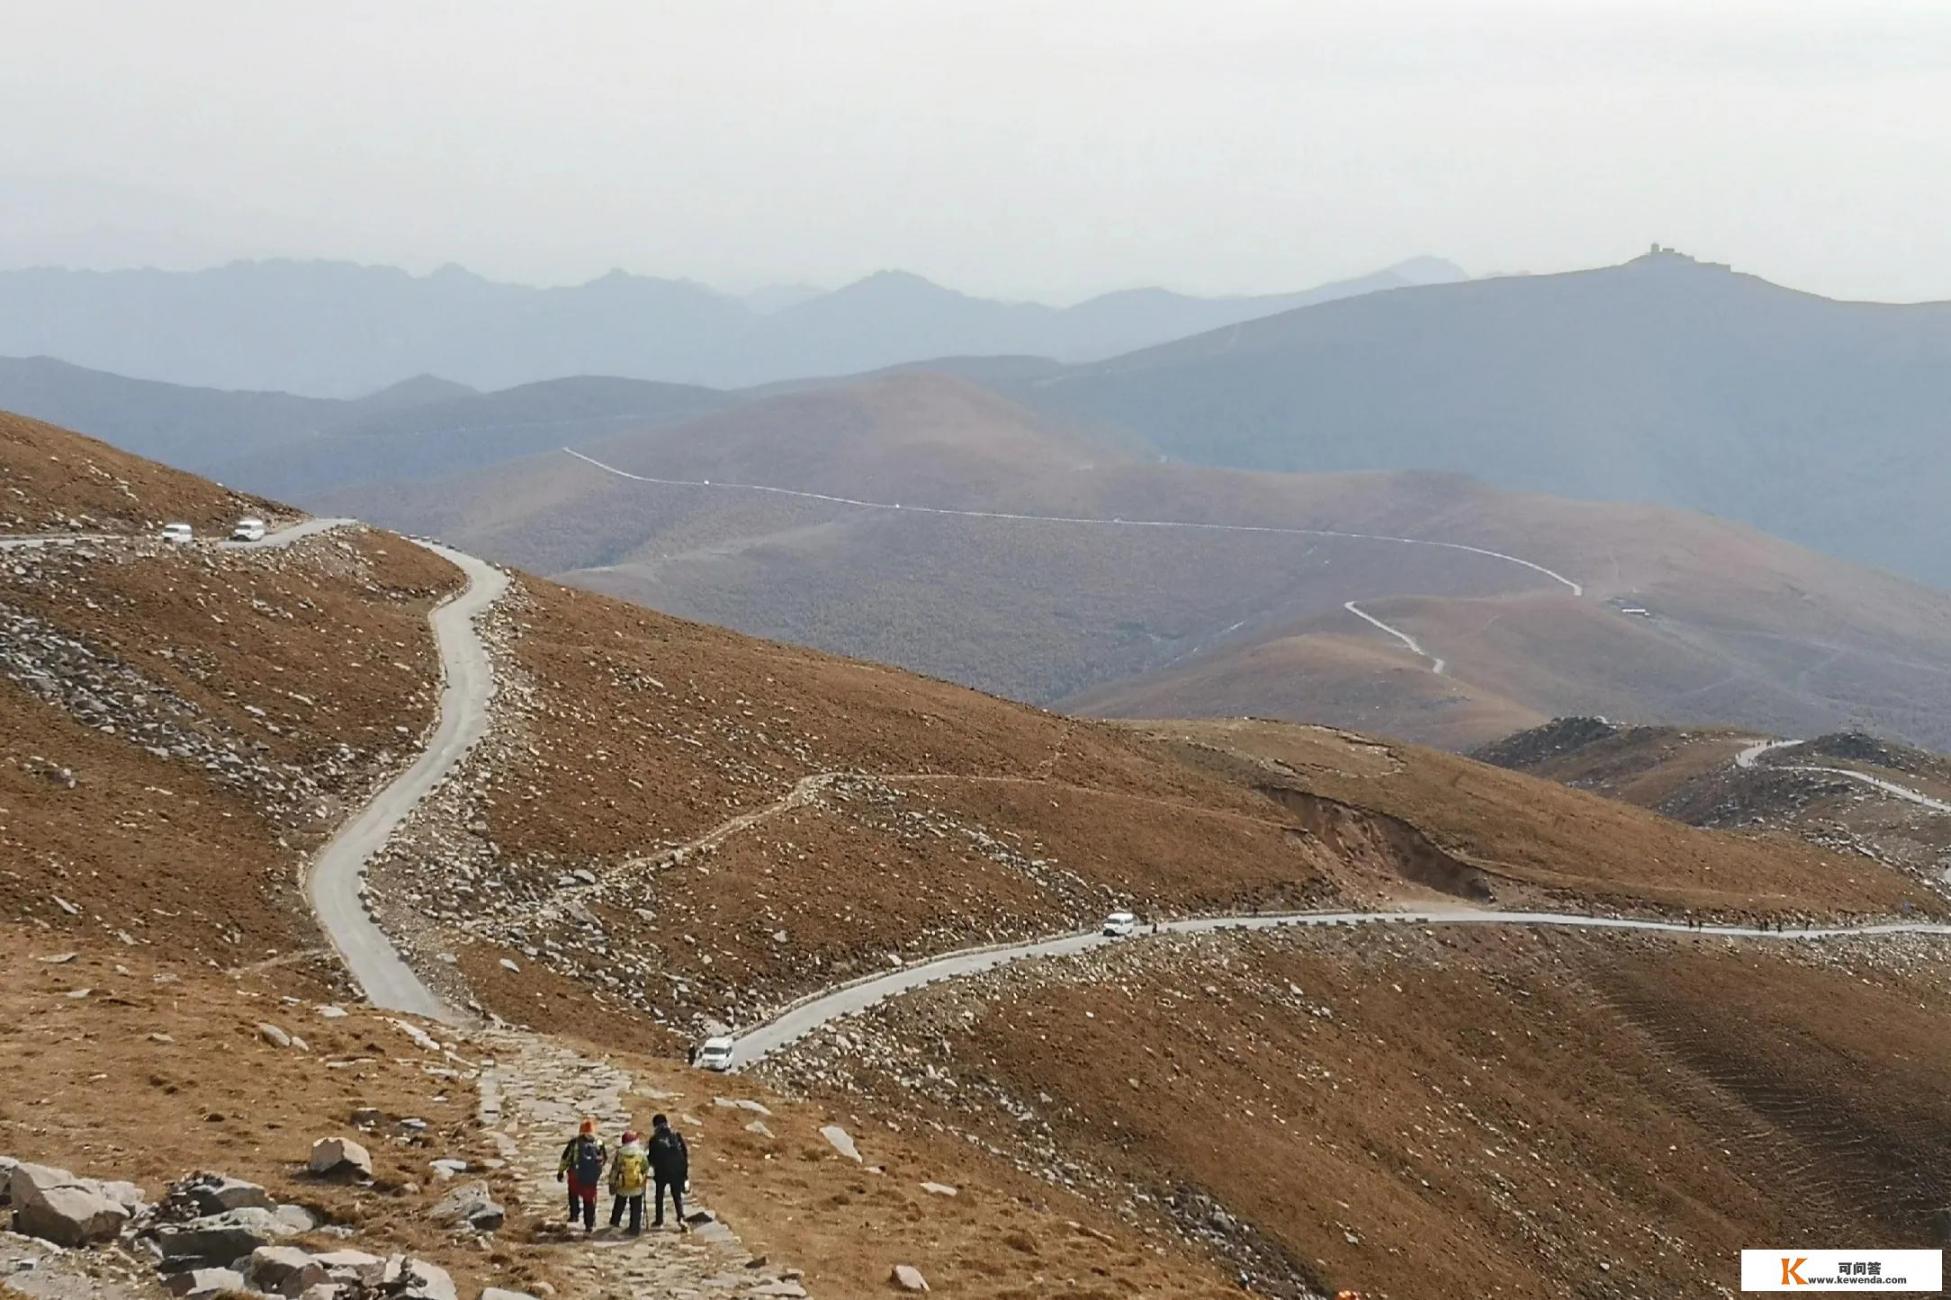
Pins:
<point x="670" y="1161"/>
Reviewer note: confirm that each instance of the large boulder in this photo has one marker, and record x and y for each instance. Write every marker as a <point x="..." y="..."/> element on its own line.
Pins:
<point x="340" y="1158"/>
<point x="221" y="1238"/>
<point x="470" y="1205"/>
<point x="56" y="1206"/>
<point x="283" y="1270"/>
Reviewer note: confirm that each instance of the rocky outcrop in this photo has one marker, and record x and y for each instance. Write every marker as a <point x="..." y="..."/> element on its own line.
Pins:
<point x="340" y="1158"/>
<point x="220" y="1239"/>
<point x="838" y="1139"/>
<point x="470" y="1205"/>
<point x="206" y="1193"/>
<point x="204" y="1283"/>
<point x="283" y="1270"/>
<point x="56" y="1206"/>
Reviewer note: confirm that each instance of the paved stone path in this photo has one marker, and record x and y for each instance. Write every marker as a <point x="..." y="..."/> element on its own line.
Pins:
<point x="532" y="1098"/>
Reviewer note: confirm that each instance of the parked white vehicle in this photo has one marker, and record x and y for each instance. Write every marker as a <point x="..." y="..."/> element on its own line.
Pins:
<point x="715" y="1054"/>
<point x="1119" y="925"/>
<point x="249" y="529"/>
<point x="178" y="533"/>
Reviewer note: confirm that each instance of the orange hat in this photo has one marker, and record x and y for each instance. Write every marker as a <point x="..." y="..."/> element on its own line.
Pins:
<point x="589" y="1126"/>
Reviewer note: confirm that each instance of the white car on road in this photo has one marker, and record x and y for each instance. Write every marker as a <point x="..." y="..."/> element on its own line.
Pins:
<point x="178" y="533"/>
<point x="249" y="529"/>
<point x="1120" y="925"/>
<point x="715" y="1054"/>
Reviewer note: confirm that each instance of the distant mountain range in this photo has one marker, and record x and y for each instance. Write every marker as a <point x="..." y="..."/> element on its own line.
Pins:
<point x="1663" y="380"/>
<point x="334" y="329"/>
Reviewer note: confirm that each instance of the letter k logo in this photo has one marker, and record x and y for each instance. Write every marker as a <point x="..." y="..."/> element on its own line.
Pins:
<point x="1793" y="1272"/>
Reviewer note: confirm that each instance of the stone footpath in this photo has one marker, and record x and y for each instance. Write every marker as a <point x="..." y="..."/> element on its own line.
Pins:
<point x="532" y="1098"/>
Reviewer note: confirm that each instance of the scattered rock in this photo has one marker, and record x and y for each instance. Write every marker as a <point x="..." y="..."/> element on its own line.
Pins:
<point x="204" y="1283"/>
<point x="351" y="1267"/>
<point x="502" y="1293"/>
<point x="415" y="1279"/>
<point x="740" y="1103"/>
<point x="447" y="1167"/>
<point x="297" y="1217"/>
<point x="221" y="1238"/>
<point x="273" y="1035"/>
<point x="908" y="1278"/>
<point x="838" y="1139"/>
<point x="470" y="1205"/>
<point x="283" y="1270"/>
<point x="208" y="1193"/>
<point x="56" y="1206"/>
<point x="780" y="1288"/>
<point x="340" y="1158"/>
<point x="940" y="1189"/>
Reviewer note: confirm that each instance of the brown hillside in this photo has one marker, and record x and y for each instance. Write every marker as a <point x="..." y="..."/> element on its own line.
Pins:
<point x="1110" y="617"/>
<point x="1691" y="776"/>
<point x="701" y="828"/>
<point x="1411" y="1112"/>
<point x="1528" y="840"/>
<point x="54" y="481"/>
<point x="177" y="728"/>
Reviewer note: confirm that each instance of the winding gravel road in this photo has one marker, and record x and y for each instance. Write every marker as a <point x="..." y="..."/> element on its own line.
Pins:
<point x="1437" y="664"/>
<point x="336" y="873"/>
<point x="1750" y="758"/>
<point x="801" y="1019"/>
<point x="282" y="537"/>
<point x="1576" y="588"/>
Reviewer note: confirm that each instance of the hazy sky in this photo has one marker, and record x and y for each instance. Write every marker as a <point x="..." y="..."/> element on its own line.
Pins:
<point x="1036" y="148"/>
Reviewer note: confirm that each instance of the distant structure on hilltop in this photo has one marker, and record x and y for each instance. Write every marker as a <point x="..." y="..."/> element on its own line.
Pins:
<point x="1667" y="250"/>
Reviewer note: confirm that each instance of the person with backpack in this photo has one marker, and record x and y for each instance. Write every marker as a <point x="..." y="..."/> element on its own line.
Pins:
<point x="628" y="1174"/>
<point x="670" y="1166"/>
<point x="582" y="1166"/>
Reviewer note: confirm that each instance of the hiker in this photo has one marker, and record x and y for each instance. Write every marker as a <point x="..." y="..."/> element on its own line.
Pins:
<point x="628" y="1173"/>
<point x="670" y="1166"/>
<point x="582" y="1166"/>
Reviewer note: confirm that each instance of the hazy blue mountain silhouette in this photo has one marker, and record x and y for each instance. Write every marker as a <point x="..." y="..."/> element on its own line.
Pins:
<point x="338" y="330"/>
<point x="1662" y="380"/>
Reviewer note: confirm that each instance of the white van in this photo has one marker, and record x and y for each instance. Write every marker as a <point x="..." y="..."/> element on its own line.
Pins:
<point x="249" y="529"/>
<point x="1120" y="925"/>
<point x="715" y="1054"/>
<point x="178" y="533"/>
